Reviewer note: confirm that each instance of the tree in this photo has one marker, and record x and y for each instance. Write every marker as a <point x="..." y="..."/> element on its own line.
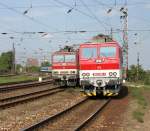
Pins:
<point x="19" y="68"/>
<point x="136" y="73"/>
<point x="6" y="61"/>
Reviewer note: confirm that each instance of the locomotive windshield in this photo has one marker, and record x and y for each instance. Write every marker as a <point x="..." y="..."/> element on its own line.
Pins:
<point x="89" y="52"/>
<point x="70" y="58"/>
<point x="107" y="51"/>
<point x="58" y="58"/>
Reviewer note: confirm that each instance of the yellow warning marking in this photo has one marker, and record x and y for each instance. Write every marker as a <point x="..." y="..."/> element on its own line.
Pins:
<point x="83" y="94"/>
<point x="109" y="94"/>
<point x="94" y="93"/>
<point x="89" y="94"/>
<point x="115" y="94"/>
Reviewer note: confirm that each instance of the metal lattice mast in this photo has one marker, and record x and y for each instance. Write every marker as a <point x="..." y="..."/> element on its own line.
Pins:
<point x="125" y="41"/>
<point x="124" y="18"/>
<point x="13" y="60"/>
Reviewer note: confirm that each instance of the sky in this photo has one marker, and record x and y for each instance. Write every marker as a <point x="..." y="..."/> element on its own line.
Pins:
<point x="40" y="27"/>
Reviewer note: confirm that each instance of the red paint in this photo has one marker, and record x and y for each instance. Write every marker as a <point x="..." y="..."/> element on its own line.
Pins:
<point x="95" y="66"/>
<point x="100" y="63"/>
<point x="65" y="65"/>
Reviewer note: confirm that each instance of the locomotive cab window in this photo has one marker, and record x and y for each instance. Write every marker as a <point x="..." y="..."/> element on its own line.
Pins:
<point x="107" y="51"/>
<point x="70" y="58"/>
<point x="58" y="58"/>
<point x="88" y="53"/>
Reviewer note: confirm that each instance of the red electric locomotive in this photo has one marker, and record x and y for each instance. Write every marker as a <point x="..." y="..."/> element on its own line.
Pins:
<point x="65" y="67"/>
<point x="100" y="65"/>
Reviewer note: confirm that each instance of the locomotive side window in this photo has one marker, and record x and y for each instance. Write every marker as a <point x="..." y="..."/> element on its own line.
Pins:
<point x="58" y="58"/>
<point x="70" y="58"/>
<point x="89" y="52"/>
<point x="107" y="51"/>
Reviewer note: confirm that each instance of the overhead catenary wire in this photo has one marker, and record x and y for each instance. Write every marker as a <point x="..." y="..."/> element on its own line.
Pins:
<point x="121" y="6"/>
<point x="28" y="17"/>
<point x="104" y="6"/>
<point x="67" y="5"/>
<point x="47" y="26"/>
<point x="81" y="12"/>
<point x="70" y="31"/>
<point x="94" y="16"/>
<point x="79" y="5"/>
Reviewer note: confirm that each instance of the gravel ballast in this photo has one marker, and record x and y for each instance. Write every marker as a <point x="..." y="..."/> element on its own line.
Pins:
<point x="20" y="116"/>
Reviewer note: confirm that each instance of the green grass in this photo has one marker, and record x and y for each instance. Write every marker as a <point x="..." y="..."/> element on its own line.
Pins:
<point x="16" y="79"/>
<point x="137" y="94"/>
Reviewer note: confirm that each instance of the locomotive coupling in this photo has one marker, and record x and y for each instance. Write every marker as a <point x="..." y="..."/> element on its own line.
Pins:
<point x="64" y="77"/>
<point x="99" y="82"/>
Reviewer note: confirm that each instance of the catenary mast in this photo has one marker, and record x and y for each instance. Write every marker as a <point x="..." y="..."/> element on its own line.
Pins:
<point x="124" y="17"/>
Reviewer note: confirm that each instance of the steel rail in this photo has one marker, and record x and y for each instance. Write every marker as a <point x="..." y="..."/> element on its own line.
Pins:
<point x="84" y="123"/>
<point x="48" y="119"/>
<point x="24" y="85"/>
<point x="28" y="97"/>
<point x="77" y="127"/>
<point x="26" y="94"/>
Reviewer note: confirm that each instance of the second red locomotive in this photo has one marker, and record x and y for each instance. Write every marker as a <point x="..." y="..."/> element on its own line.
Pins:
<point x="65" y="67"/>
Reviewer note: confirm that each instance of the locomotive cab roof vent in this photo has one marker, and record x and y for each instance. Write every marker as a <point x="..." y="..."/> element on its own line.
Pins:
<point x="67" y="48"/>
<point x="101" y="38"/>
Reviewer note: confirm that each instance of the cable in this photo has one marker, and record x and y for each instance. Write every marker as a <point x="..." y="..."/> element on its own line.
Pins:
<point x="94" y="16"/>
<point x="73" y="31"/>
<point x="62" y="3"/>
<point x="83" y="13"/>
<point x="78" y="5"/>
<point x="30" y="18"/>
<point x="102" y="4"/>
<point x="129" y="4"/>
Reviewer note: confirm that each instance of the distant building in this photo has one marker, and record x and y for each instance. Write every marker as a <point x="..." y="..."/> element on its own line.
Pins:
<point x="32" y="62"/>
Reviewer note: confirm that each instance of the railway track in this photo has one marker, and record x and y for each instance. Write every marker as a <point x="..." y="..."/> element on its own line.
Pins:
<point x="23" y="85"/>
<point x="10" y="101"/>
<point x="73" y="118"/>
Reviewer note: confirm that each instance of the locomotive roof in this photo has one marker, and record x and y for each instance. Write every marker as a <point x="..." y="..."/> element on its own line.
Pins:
<point x="103" y="43"/>
<point x="64" y="52"/>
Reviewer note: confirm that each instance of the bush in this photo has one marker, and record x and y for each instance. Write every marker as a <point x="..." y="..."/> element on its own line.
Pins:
<point x="146" y="81"/>
<point x="138" y="75"/>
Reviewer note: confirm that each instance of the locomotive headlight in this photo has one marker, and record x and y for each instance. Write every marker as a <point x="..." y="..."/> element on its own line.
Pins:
<point x="115" y="74"/>
<point x="99" y="82"/>
<point x="64" y="77"/>
<point x="110" y="73"/>
<point x="85" y="77"/>
<point x="55" y="72"/>
<point x="85" y="74"/>
<point x="72" y="72"/>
